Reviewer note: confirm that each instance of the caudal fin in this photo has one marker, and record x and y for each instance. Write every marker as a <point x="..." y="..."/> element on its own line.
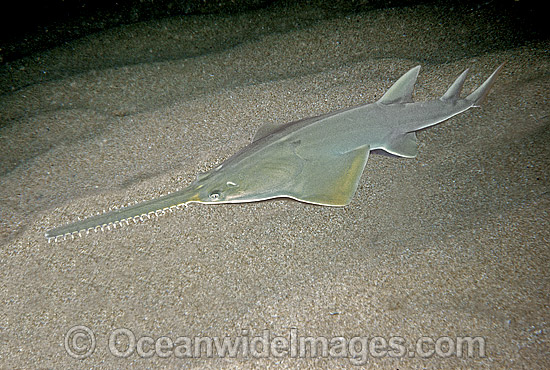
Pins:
<point x="478" y="95"/>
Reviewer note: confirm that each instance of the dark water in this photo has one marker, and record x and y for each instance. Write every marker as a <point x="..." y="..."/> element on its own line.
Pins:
<point x="31" y="32"/>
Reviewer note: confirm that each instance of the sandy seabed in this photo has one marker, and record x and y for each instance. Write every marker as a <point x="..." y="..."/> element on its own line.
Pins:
<point x="452" y="244"/>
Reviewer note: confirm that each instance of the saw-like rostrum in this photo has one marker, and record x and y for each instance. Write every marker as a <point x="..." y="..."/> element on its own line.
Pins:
<point x="315" y="160"/>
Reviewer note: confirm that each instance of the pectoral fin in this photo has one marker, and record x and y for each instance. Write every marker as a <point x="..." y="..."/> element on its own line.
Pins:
<point x="331" y="179"/>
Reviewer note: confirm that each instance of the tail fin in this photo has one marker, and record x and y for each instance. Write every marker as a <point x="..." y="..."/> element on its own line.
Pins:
<point x="478" y="95"/>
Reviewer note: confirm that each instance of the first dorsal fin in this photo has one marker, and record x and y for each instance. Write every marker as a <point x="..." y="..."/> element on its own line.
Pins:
<point x="265" y="130"/>
<point x="402" y="90"/>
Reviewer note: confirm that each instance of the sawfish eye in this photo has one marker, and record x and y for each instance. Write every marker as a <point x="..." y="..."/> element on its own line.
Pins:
<point x="215" y="195"/>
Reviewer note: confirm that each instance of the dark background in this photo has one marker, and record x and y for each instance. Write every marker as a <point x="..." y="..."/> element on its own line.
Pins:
<point x="29" y="27"/>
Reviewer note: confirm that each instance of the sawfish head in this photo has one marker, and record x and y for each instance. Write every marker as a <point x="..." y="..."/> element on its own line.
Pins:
<point x="229" y="186"/>
<point x="213" y="187"/>
<point x="328" y="178"/>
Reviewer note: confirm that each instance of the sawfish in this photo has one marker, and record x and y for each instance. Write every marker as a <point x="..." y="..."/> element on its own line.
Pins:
<point x="315" y="160"/>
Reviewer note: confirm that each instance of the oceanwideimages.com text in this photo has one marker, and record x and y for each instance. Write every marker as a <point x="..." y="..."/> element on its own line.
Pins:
<point x="80" y="342"/>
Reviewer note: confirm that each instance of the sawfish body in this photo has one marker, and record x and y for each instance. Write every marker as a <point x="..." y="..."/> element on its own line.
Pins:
<point x="315" y="160"/>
